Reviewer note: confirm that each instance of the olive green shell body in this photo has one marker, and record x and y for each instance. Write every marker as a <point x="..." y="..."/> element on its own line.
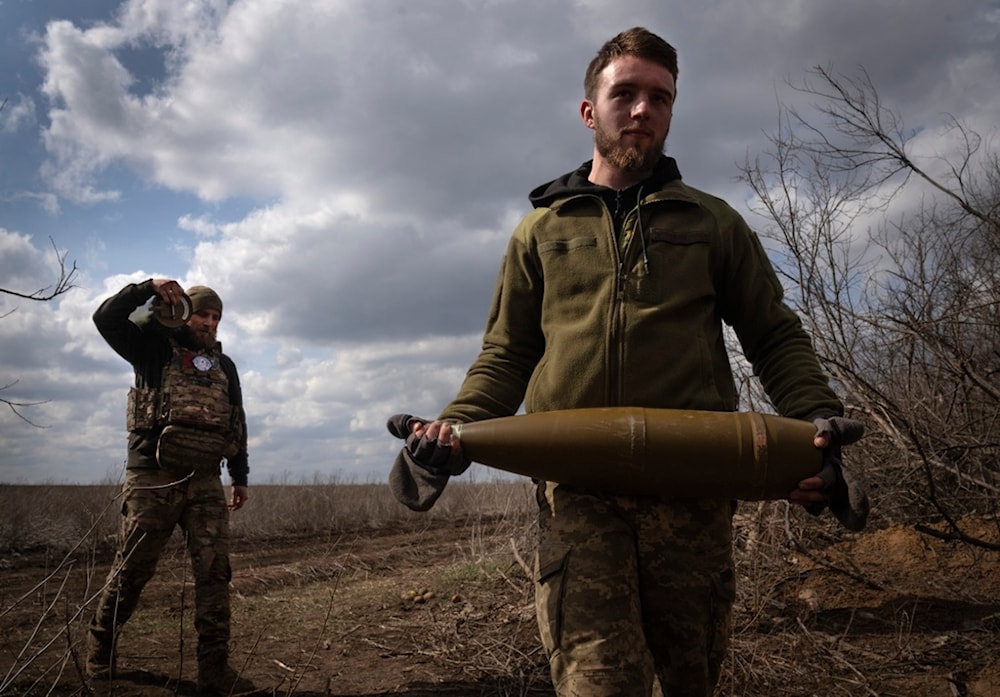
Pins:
<point x="664" y="452"/>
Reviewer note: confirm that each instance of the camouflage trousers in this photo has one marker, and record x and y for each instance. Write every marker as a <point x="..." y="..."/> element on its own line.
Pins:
<point x="633" y="595"/>
<point x="155" y="502"/>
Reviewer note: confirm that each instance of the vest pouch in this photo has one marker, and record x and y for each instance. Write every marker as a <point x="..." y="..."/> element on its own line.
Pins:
<point x="143" y="406"/>
<point x="199" y="402"/>
<point x="183" y="450"/>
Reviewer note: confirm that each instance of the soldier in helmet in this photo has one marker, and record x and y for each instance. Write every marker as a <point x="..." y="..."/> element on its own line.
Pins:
<point x="185" y="418"/>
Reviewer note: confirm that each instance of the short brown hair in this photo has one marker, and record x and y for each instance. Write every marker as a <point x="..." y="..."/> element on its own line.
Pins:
<point x="637" y="42"/>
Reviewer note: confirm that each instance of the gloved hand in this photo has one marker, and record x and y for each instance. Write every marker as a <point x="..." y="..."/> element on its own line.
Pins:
<point x="422" y="468"/>
<point x="846" y="496"/>
<point x="428" y="453"/>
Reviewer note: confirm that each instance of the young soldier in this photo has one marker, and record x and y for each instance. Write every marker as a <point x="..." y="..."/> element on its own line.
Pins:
<point x="613" y="292"/>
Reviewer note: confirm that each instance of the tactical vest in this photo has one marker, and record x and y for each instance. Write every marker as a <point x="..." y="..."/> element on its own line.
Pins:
<point x="193" y="409"/>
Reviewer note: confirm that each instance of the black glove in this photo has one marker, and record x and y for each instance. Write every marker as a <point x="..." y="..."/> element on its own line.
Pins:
<point x="426" y="452"/>
<point x="422" y="468"/>
<point x="846" y="496"/>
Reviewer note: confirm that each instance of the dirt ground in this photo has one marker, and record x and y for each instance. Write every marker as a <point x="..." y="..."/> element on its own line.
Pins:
<point x="447" y="609"/>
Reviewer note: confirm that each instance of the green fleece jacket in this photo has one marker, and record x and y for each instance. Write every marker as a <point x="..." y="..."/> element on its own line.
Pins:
<point x="587" y="313"/>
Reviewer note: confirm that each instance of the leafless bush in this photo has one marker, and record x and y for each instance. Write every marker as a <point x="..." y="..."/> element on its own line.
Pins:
<point x="903" y="304"/>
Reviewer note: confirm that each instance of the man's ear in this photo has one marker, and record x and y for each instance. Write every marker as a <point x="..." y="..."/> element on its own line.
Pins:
<point x="587" y="113"/>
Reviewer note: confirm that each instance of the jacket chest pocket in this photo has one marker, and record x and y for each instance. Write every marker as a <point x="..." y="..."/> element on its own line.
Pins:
<point x="573" y="267"/>
<point x="679" y="266"/>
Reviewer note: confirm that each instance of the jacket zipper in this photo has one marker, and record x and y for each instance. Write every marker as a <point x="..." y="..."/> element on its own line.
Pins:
<point x="616" y="348"/>
<point x="616" y="342"/>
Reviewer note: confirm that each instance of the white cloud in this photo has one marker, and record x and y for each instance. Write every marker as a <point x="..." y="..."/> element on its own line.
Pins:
<point x="18" y="112"/>
<point x="377" y="156"/>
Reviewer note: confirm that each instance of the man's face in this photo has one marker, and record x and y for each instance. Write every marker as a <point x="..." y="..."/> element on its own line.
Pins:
<point x="631" y="113"/>
<point x="203" y="325"/>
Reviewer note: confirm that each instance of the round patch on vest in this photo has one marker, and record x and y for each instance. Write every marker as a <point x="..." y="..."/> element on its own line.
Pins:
<point x="202" y="362"/>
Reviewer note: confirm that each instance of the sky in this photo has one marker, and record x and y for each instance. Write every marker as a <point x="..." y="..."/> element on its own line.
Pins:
<point x="346" y="175"/>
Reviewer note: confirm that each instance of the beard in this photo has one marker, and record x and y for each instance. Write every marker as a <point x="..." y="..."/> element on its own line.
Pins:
<point x="628" y="158"/>
<point x="200" y="339"/>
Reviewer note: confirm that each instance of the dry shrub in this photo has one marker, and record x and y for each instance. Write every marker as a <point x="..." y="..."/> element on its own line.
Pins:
<point x="324" y="508"/>
<point x="57" y="518"/>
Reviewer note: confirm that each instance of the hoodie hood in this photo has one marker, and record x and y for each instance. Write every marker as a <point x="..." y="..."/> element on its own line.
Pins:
<point x="576" y="183"/>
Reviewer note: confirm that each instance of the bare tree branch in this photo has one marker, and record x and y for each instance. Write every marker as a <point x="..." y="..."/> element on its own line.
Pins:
<point x="904" y="313"/>
<point x="14" y="406"/>
<point x="63" y="284"/>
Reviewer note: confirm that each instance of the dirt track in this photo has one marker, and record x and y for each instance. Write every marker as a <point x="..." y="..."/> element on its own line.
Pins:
<point x="314" y="617"/>
<point x="888" y="613"/>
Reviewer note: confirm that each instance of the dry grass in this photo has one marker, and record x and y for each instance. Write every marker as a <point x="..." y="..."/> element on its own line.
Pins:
<point x="324" y="571"/>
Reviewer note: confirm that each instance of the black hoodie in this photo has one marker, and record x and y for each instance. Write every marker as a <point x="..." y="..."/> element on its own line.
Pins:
<point x="618" y="201"/>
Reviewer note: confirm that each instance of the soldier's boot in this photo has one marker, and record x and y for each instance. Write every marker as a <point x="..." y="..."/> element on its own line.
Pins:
<point x="216" y="678"/>
<point x="100" y="653"/>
